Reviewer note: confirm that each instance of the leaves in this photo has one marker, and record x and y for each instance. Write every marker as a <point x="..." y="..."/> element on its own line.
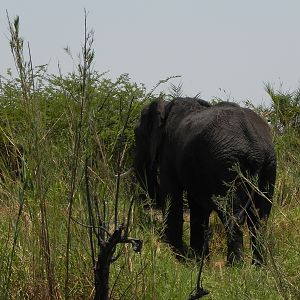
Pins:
<point x="285" y="109"/>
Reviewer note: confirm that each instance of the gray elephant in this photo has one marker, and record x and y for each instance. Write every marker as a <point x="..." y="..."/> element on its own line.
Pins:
<point x="190" y="145"/>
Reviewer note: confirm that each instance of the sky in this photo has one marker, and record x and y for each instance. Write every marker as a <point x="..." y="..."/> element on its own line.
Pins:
<point x="220" y="48"/>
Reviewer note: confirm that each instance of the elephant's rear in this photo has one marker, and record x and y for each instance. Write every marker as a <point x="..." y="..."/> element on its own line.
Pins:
<point x="225" y="137"/>
<point x="244" y="138"/>
<point x="250" y="141"/>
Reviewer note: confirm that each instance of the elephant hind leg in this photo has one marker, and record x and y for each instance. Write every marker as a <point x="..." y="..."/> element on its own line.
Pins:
<point x="235" y="241"/>
<point x="259" y="212"/>
<point x="233" y="218"/>
<point x="256" y="219"/>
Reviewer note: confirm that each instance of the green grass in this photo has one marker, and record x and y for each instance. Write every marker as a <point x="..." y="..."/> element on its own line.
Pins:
<point x="154" y="273"/>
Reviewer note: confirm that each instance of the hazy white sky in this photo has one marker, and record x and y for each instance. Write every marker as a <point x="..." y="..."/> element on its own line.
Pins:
<point x="215" y="45"/>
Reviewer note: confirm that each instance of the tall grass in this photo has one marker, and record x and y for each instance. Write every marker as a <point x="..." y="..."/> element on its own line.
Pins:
<point x="76" y="131"/>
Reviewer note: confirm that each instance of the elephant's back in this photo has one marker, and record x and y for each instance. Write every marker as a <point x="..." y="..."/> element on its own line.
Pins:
<point x="222" y="136"/>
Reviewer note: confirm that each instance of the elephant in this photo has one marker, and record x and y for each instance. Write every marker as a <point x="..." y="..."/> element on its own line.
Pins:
<point x="189" y="145"/>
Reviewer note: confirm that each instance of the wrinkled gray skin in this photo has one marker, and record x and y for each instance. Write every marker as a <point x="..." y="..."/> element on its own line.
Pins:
<point x="189" y="145"/>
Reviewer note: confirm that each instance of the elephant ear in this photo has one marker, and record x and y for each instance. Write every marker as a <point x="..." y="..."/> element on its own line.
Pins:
<point x="158" y="112"/>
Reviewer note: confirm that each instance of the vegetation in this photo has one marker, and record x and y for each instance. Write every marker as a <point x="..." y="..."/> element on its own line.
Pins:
<point x="76" y="132"/>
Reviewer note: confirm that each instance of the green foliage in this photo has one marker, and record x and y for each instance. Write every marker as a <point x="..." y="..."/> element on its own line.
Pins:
<point x="285" y="109"/>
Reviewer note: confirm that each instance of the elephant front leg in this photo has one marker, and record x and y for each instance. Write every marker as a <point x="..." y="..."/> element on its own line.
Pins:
<point x="199" y="230"/>
<point x="173" y="215"/>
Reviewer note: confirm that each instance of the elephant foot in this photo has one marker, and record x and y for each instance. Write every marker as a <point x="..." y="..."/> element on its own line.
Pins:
<point x="235" y="249"/>
<point x="187" y="255"/>
<point x="258" y="256"/>
<point x="258" y="261"/>
<point x="235" y="262"/>
<point x="180" y="250"/>
<point x="196" y="254"/>
<point x="235" y="257"/>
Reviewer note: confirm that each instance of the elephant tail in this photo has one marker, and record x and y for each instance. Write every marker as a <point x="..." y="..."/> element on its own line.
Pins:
<point x="243" y="212"/>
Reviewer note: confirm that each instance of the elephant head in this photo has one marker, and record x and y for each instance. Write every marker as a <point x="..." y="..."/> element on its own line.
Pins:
<point x="148" y="138"/>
